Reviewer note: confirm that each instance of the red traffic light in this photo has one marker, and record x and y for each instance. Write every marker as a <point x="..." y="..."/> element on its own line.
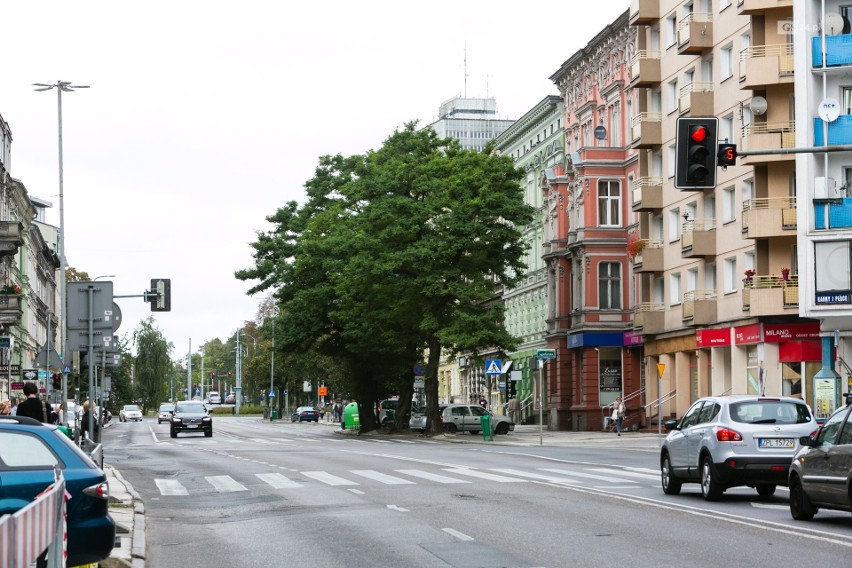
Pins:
<point x="698" y="133"/>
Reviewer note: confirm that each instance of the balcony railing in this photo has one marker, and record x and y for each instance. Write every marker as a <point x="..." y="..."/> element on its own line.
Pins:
<point x="10" y="309"/>
<point x="695" y="33"/>
<point x="769" y="217"/>
<point x="647" y="129"/>
<point x="833" y="215"/>
<point x="763" y="65"/>
<point x="645" y="68"/>
<point x="644" y="11"/>
<point x="757" y="6"/>
<point x="11" y="237"/>
<point x="697" y="98"/>
<point x="647" y="193"/>
<point x="649" y="317"/>
<point x="768" y="136"/>
<point x="650" y="257"/>
<point x="700" y="306"/>
<point x="839" y="131"/>
<point x="768" y="295"/>
<point x="698" y="237"/>
<point x="838" y="50"/>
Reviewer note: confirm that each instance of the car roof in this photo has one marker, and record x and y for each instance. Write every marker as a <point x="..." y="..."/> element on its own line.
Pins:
<point x="731" y="398"/>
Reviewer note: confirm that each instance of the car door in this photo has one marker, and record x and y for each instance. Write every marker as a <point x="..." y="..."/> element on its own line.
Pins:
<point x="838" y="463"/>
<point x="816" y="470"/>
<point x="458" y="415"/>
<point x="474" y="421"/>
<point x="679" y="440"/>
<point x="697" y="432"/>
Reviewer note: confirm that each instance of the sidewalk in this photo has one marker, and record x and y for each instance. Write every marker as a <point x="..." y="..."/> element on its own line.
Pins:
<point x="128" y="512"/>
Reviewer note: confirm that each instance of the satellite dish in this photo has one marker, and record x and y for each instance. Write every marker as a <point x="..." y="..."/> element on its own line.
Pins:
<point x="833" y="23"/>
<point x="758" y="105"/>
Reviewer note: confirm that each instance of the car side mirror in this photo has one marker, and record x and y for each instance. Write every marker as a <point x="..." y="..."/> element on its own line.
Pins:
<point x="807" y="441"/>
<point x="670" y="424"/>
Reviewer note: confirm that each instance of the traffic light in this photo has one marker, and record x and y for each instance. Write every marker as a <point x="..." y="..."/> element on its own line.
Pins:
<point x="56" y="381"/>
<point x="727" y="155"/>
<point x="229" y="374"/>
<point x="696" y="150"/>
<point x="161" y="295"/>
<point x="213" y="375"/>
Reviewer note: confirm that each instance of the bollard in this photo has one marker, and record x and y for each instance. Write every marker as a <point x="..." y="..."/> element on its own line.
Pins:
<point x="485" y="422"/>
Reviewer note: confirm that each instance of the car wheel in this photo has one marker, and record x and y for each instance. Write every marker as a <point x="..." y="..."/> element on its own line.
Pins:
<point x="208" y="433"/>
<point x="451" y="428"/>
<point x="711" y="490"/>
<point x="173" y="434"/>
<point x="765" y="490"/>
<point x="502" y="428"/>
<point x="801" y="508"/>
<point x="671" y="484"/>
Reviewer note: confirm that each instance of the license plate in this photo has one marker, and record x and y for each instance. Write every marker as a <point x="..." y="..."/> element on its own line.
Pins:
<point x="192" y="425"/>
<point x="787" y="443"/>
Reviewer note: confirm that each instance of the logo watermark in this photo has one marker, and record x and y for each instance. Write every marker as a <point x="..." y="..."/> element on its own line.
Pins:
<point x="789" y="27"/>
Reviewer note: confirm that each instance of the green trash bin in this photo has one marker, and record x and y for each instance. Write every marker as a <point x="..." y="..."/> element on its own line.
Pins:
<point x="66" y="430"/>
<point x="274" y="414"/>
<point x="351" y="419"/>
<point x="485" y="422"/>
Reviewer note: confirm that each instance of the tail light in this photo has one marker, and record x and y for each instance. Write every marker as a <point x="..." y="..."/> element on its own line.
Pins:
<point x="728" y="435"/>
<point x="99" y="491"/>
<point x="814" y="434"/>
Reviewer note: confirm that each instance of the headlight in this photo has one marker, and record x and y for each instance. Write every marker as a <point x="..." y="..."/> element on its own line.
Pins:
<point x="206" y="419"/>
<point x="175" y="419"/>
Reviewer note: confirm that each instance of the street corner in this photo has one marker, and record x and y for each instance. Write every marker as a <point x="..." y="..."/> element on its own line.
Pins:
<point x="127" y="511"/>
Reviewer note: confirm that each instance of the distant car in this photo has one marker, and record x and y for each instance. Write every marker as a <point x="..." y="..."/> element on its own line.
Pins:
<point x="821" y="472"/>
<point x="29" y="451"/>
<point x="164" y="414"/>
<point x="387" y="410"/>
<point x="467" y="418"/>
<point x="417" y="422"/>
<point x="214" y="398"/>
<point x="190" y="416"/>
<point x="230" y="399"/>
<point x="130" y="412"/>
<point x="734" y="440"/>
<point x="305" y="414"/>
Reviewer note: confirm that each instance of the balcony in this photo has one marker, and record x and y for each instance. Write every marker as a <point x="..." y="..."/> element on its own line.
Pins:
<point x="10" y="309"/>
<point x="768" y="136"/>
<point x="648" y="194"/>
<point x="645" y="69"/>
<point x="771" y="295"/>
<point x="696" y="98"/>
<point x="839" y="131"/>
<point x="698" y="238"/>
<point x="11" y="237"/>
<point x="647" y="129"/>
<point x="695" y="33"/>
<point x="759" y="6"/>
<point x="700" y="307"/>
<point x="766" y="218"/>
<point x="765" y="65"/>
<point x="650" y="257"/>
<point x="838" y="51"/>
<point x="835" y="214"/>
<point x="644" y="11"/>
<point x="649" y="318"/>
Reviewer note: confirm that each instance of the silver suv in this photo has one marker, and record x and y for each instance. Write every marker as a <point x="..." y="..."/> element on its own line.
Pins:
<point x="730" y="441"/>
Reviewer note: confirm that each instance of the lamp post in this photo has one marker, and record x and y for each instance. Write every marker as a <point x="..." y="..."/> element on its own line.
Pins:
<point x="68" y="87"/>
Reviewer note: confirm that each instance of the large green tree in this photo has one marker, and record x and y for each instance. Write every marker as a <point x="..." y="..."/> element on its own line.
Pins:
<point x="394" y="254"/>
<point x="153" y="363"/>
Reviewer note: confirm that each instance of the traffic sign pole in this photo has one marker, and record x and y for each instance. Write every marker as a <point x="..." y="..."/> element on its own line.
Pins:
<point x="661" y="367"/>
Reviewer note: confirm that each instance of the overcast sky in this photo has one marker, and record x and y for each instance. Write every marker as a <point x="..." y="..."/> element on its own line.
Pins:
<point x="204" y="117"/>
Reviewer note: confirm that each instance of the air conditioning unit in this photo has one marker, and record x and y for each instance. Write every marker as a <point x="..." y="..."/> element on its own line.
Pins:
<point x="826" y="188"/>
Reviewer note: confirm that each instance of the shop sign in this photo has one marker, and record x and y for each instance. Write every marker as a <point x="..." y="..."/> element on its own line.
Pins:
<point x="632" y="339"/>
<point x="713" y="337"/>
<point x="747" y="334"/>
<point x="778" y="332"/>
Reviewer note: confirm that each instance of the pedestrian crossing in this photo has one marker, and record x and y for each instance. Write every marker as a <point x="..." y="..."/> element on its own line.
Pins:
<point x="628" y="478"/>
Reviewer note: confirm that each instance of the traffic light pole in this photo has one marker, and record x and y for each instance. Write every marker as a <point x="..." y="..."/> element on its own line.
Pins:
<point x="810" y="150"/>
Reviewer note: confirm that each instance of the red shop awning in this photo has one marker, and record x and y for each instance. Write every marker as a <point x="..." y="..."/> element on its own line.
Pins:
<point x="795" y="351"/>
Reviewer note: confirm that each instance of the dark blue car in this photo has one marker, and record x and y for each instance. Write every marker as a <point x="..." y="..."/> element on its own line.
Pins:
<point x="305" y="414"/>
<point x="29" y="451"/>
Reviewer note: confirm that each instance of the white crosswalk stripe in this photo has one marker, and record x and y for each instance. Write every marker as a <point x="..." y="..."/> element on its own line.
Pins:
<point x="484" y="475"/>
<point x="170" y="487"/>
<point x="382" y="477"/>
<point x="531" y="475"/>
<point x="278" y="481"/>
<point x="327" y="478"/>
<point x="645" y="476"/>
<point x="595" y="476"/>
<point x="431" y="476"/>
<point x="225" y="483"/>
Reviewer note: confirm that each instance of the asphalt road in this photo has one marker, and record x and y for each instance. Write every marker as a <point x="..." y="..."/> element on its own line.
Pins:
<point x="284" y="494"/>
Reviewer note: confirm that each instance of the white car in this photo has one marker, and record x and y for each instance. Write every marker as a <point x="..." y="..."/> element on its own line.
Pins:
<point x="214" y="398"/>
<point x="130" y="412"/>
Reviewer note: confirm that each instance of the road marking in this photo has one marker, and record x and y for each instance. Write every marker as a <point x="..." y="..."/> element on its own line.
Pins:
<point x="327" y="478"/>
<point x="170" y="487"/>
<point x="457" y="534"/>
<point x="486" y="475"/>
<point x="771" y="506"/>
<point x="381" y="477"/>
<point x="225" y="483"/>
<point x="646" y="476"/>
<point x="263" y="441"/>
<point x="531" y="475"/>
<point x="397" y="508"/>
<point x="588" y="475"/>
<point x="431" y="476"/>
<point x="278" y="481"/>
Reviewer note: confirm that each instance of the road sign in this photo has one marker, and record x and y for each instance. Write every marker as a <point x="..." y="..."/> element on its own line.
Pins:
<point x="66" y="370"/>
<point x="546" y="354"/>
<point x="419" y="370"/>
<point x="272" y="394"/>
<point x="661" y="367"/>
<point x="285" y="391"/>
<point x="493" y="367"/>
<point x="322" y="391"/>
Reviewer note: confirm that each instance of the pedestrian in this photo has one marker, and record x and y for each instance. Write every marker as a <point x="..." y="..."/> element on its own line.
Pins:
<point x="14" y="403"/>
<point x="514" y="411"/>
<point x="618" y="412"/>
<point x="33" y="406"/>
<point x="321" y="411"/>
<point x="84" y="421"/>
<point x="5" y="408"/>
<point x="483" y="403"/>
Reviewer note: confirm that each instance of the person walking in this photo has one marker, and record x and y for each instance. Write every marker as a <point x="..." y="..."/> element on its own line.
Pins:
<point x="618" y="412"/>
<point x="33" y="406"/>
<point x="514" y="411"/>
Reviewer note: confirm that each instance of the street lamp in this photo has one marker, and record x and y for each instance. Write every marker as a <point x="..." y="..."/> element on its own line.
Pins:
<point x="60" y="86"/>
<point x="104" y="276"/>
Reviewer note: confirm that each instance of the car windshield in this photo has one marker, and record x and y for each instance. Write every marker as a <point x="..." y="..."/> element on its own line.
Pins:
<point x="167" y="407"/>
<point x="770" y="412"/>
<point x="131" y="407"/>
<point x="198" y="408"/>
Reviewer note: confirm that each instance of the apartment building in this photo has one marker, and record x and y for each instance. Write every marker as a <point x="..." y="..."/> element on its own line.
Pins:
<point x="718" y="269"/>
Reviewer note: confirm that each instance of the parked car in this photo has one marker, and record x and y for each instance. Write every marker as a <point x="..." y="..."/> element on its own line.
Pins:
<point x="417" y="422"/>
<point x="214" y="398"/>
<point x="164" y="413"/>
<point x="190" y="416"/>
<point x="821" y="472"/>
<point x="735" y="440"/>
<point x="29" y="451"/>
<point x="305" y="414"/>
<point x="387" y="410"/>
<point x="130" y="412"/>
<point x="467" y="418"/>
<point x="231" y="398"/>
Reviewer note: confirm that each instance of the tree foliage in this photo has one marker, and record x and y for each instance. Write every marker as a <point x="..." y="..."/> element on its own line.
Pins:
<point x="153" y="363"/>
<point x="394" y="255"/>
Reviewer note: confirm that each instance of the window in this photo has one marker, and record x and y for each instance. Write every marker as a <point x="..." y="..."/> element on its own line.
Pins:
<point x="749" y="261"/>
<point x="658" y="290"/>
<point x="670" y="31"/>
<point x="609" y="285"/>
<point x="710" y="276"/>
<point x="832" y="260"/>
<point x="691" y="279"/>
<point x="729" y="204"/>
<point x="615" y="125"/>
<point x="724" y="4"/>
<point x="726" y="65"/>
<point x="731" y="275"/>
<point x="671" y="157"/>
<point x="674" y="289"/>
<point x="671" y="96"/>
<point x="674" y="224"/>
<point x="609" y="204"/>
<point x="726" y="128"/>
<point x="746" y="191"/>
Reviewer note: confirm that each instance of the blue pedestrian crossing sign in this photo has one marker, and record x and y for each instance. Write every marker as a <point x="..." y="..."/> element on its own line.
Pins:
<point x="66" y="370"/>
<point x="493" y="367"/>
<point x="271" y="393"/>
